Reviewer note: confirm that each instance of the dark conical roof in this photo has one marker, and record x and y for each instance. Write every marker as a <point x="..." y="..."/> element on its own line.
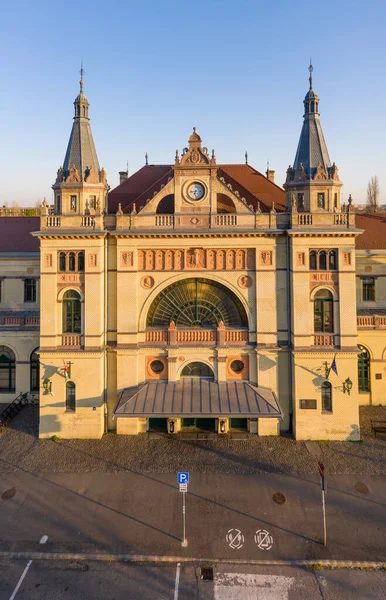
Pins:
<point x="81" y="149"/>
<point x="312" y="148"/>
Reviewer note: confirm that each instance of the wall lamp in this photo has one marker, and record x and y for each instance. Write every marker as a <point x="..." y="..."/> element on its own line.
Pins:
<point x="347" y="386"/>
<point x="47" y="386"/>
<point x="222" y="426"/>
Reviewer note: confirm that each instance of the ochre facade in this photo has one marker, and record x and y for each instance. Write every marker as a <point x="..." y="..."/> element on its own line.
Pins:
<point x="200" y="270"/>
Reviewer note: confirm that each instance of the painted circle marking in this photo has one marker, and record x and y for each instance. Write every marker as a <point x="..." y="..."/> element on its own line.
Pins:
<point x="235" y="539"/>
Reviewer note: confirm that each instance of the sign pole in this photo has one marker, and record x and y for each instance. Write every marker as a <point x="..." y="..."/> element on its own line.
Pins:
<point x="184" y="542"/>
<point x="322" y="483"/>
<point x="183" y="480"/>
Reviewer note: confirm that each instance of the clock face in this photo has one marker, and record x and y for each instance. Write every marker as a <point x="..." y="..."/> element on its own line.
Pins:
<point x="195" y="191"/>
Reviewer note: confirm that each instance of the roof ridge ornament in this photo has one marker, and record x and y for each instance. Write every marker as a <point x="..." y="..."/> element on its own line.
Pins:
<point x="310" y="68"/>
<point x="81" y="82"/>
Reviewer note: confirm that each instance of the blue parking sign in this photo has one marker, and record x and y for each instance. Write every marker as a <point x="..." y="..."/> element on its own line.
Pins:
<point x="183" y="477"/>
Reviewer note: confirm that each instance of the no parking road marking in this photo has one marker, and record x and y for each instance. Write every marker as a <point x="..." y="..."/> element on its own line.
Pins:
<point x="42" y="541"/>
<point x="235" y="539"/>
<point x="263" y="539"/>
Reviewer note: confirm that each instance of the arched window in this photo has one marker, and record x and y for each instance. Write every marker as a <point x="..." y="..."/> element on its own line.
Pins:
<point x="71" y="261"/>
<point x="34" y="372"/>
<point x="197" y="369"/>
<point x="70" y="396"/>
<point x="363" y="370"/>
<point x="326" y="396"/>
<point x="332" y="260"/>
<point x="72" y="312"/>
<point x="7" y="369"/>
<point x="81" y="261"/>
<point x="323" y="312"/>
<point x="322" y="261"/>
<point x="62" y="261"/>
<point x="313" y="260"/>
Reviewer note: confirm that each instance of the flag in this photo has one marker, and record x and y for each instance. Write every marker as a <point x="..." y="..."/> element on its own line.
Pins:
<point x="333" y="366"/>
<point x="66" y="369"/>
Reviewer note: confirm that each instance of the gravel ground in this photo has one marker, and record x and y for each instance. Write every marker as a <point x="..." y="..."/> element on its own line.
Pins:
<point x="20" y="448"/>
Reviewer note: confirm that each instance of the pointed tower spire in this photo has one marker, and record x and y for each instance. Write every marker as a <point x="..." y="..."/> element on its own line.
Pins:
<point x="81" y="151"/>
<point x="80" y="184"/>
<point x="312" y="149"/>
<point x="312" y="176"/>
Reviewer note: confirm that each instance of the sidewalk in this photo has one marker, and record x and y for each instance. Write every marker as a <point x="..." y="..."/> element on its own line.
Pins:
<point x="20" y="447"/>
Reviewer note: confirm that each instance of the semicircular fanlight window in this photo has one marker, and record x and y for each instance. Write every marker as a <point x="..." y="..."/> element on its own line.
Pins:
<point x="197" y="303"/>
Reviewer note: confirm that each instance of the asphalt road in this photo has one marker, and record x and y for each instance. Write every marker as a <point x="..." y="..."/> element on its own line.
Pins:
<point x="227" y="516"/>
<point x="48" y="580"/>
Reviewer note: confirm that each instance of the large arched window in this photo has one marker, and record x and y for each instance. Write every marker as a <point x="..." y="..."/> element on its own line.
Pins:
<point x="322" y="261"/>
<point x="326" y="396"/>
<point x="225" y="204"/>
<point x="363" y="370"/>
<point x="195" y="303"/>
<point x="7" y="369"/>
<point x="34" y="372"/>
<point x="72" y="312"/>
<point x="70" y="396"/>
<point x="323" y="312"/>
<point x="197" y="369"/>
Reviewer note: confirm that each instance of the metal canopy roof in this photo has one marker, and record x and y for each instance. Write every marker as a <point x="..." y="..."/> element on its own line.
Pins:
<point x="196" y="397"/>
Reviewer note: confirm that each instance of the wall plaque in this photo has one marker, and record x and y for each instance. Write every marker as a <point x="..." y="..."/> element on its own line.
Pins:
<point x="307" y="403"/>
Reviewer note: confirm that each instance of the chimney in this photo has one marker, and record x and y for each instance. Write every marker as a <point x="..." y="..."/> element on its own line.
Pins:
<point x="123" y="176"/>
<point x="270" y="175"/>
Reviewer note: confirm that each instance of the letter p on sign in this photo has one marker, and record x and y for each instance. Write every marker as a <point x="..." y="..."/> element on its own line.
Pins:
<point x="182" y="477"/>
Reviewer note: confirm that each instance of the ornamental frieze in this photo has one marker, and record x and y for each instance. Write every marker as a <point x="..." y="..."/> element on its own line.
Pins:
<point x="196" y="259"/>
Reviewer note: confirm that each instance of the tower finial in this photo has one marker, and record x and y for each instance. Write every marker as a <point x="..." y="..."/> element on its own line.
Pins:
<point x="310" y="68"/>
<point x="246" y="157"/>
<point x="81" y="76"/>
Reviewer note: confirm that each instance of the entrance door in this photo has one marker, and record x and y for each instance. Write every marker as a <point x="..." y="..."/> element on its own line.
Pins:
<point x="206" y="424"/>
<point x="158" y="424"/>
<point x="238" y="424"/>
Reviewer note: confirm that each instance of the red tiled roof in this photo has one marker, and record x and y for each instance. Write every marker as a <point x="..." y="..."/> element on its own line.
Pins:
<point x="251" y="185"/>
<point x="141" y="185"/>
<point x="15" y="234"/>
<point x="374" y="236"/>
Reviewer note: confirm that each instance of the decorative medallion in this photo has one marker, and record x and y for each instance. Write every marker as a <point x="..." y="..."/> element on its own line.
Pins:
<point x="147" y="282"/>
<point x="181" y="358"/>
<point x="194" y="221"/>
<point x="244" y="281"/>
<point x="368" y="269"/>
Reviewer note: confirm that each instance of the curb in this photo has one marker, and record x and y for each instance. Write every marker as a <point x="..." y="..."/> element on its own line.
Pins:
<point x="140" y="558"/>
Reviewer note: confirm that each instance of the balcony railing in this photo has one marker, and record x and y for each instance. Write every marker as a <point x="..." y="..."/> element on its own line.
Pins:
<point x="218" y="336"/>
<point x="324" y="339"/>
<point x="19" y="322"/>
<point x="72" y="340"/>
<point x="371" y="322"/>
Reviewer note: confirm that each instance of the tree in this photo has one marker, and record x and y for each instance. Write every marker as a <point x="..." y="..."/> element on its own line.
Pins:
<point x="372" y="204"/>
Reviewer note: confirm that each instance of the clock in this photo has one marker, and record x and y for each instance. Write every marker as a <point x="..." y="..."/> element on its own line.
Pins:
<point x="195" y="191"/>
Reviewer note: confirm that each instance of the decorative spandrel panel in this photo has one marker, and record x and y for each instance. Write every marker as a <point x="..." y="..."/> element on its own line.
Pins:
<point x="211" y="259"/>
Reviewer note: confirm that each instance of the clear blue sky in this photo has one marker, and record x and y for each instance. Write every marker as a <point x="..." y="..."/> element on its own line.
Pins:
<point x="237" y="70"/>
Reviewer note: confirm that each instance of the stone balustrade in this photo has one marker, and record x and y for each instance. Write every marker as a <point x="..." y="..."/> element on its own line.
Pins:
<point x="371" y="322"/>
<point x="218" y="336"/>
<point x="19" y="322"/>
<point x="324" y="339"/>
<point x="72" y="340"/>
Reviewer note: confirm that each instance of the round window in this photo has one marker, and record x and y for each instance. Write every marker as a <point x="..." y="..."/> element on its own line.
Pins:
<point x="237" y="366"/>
<point x="157" y="366"/>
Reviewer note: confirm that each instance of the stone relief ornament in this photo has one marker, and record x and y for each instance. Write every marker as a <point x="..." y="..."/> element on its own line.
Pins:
<point x="127" y="259"/>
<point x="320" y="173"/>
<point x="91" y="176"/>
<point x="147" y="282"/>
<point x="74" y="176"/>
<point x="300" y="174"/>
<point x="266" y="257"/>
<point x="59" y="175"/>
<point x="244" y="281"/>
